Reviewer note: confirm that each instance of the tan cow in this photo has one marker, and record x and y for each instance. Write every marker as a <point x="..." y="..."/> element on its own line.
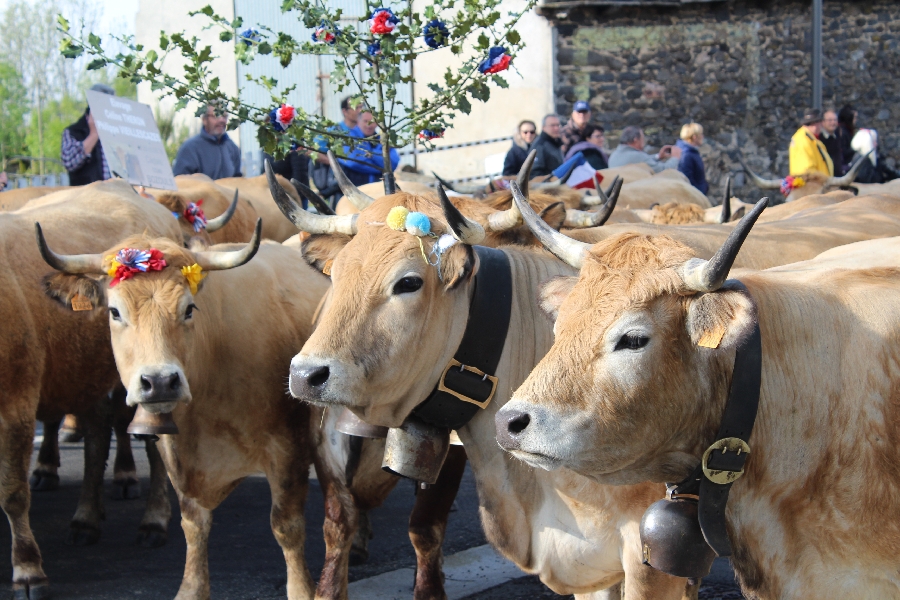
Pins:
<point x="635" y="386"/>
<point x="256" y="191"/>
<point x="213" y="352"/>
<point x="15" y="199"/>
<point x="58" y="359"/>
<point x="813" y="182"/>
<point x="226" y="222"/>
<point x="381" y="345"/>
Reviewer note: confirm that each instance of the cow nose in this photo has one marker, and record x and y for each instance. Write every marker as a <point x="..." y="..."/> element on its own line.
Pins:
<point x="308" y="382"/>
<point x="510" y="425"/>
<point x="160" y="388"/>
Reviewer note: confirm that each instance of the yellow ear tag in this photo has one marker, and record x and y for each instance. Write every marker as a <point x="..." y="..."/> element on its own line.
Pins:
<point x="80" y="303"/>
<point x="194" y="275"/>
<point x="712" y="339"/>
<point x="326" y="268"/>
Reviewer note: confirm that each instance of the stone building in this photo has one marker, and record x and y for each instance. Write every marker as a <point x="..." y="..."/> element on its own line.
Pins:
<point x="740" y="68"/>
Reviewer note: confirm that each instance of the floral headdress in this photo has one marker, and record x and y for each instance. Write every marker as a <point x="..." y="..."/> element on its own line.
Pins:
<point x="194" y="215"/>
<point x="129" y="262"/>
<point x="791" y="182"/>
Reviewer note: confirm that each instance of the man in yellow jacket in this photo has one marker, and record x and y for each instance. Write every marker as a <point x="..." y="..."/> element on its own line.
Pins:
<point x="807" y="152"/>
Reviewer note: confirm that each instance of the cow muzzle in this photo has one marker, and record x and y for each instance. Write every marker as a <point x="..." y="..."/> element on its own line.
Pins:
<point x="159" y="390"/>
<point x="309" y="379"/>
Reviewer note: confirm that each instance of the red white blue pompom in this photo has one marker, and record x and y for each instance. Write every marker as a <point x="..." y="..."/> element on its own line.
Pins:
<point x="383" y="21"/>
<point x="195" y="215"/>
<point x="431" y="134"/>
<point x="497" y="60"/>
<point x="325" y="33"/>
<point x="281" y="118"/>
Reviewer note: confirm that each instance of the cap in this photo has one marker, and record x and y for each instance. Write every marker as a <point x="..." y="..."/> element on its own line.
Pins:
<point x="103" y="88"/>
<point x="581" y="106"/>
<point x="811" y="117"/>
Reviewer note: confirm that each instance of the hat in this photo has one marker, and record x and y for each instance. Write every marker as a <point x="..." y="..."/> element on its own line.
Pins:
<point x="581" y="106"/>
<point x="811" y="117"/>
<point x="103" y="88"/>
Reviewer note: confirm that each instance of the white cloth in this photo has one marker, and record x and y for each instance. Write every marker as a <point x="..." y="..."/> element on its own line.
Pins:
<point x="864" y="141"/>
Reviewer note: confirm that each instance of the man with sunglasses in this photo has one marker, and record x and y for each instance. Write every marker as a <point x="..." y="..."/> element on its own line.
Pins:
<point x="522" y="142"/>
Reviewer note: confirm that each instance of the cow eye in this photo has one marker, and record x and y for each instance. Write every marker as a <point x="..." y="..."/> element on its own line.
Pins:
<point x="632" y="341"/>
<point x="114" y="313"/>
<point x="408" y="285"/>
<point x="189" y="311"/>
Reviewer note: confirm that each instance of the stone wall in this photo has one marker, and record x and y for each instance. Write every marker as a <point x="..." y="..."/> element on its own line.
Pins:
<point x="741" y="69"/>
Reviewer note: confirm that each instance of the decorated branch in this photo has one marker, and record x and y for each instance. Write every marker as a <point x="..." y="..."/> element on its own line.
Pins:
<point x="373" y="55"/>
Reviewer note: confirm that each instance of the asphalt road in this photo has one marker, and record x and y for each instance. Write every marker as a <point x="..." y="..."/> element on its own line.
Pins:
<point x="245" y="561"/>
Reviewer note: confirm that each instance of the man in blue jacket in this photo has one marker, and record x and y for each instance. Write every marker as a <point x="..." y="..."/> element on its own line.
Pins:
<point x="364" y="163"/>
<point x="211" y="151"/>
<point x="691" y="164"/>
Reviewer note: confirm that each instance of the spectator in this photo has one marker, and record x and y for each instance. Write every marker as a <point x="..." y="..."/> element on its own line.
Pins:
<point x="846" y="131"/>
<point x="691" y="164"/>
<point x="521" y="146"/>
<point x="865" y="144"/>
<point x="591" y="148"/>
<point x="211" y="151"/>
<point x="548" y="146"/>
<point x="631" y="151"/>
<point x="82" y="154"/>
<point x="807" y="154"/>
<point x="365" y="164"/>
<point x="574" y="131"/>
<point x="829" y="139"/>
<point x="321" y="168"/>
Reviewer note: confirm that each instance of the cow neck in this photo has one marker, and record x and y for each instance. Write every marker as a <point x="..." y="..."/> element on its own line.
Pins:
<point x="468" y="382"/>
<point x="723" y="462"/>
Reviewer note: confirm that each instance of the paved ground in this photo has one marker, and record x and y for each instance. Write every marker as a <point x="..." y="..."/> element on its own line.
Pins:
<point x="245" y="560"/>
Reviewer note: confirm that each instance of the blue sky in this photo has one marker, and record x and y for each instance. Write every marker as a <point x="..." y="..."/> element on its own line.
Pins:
<point x="117" y="15"/>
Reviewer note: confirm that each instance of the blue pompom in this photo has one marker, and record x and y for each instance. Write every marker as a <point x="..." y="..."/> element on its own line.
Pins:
<point x="418" y="224"/>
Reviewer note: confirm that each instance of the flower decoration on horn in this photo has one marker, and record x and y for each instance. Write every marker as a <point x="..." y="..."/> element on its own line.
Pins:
<point x="436" y="33"/>
<point x="325" y="33"/>
<point x="383" y="21"/>
<point x="497" y="60"/>
<point x="281" y="118"/>
<point x="128" y="262"/>
<point x="791" y="182"/>
<point x="250" y="37"/>
<point x="194" y="275"/>
<point x="194" y="215"/>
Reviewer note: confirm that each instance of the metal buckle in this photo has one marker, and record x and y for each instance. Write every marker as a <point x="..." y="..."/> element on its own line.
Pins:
<point x="725" y="445"/>
<point x="484" y="376"/>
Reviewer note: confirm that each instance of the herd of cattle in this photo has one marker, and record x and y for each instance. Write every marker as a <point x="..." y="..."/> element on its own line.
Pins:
<point x="612" y="380"/>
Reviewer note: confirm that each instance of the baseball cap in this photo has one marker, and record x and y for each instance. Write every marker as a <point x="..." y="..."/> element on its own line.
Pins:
<point x="812" y="117"/>
<point x="102" y="87"/>
<point x="581" y="106"/>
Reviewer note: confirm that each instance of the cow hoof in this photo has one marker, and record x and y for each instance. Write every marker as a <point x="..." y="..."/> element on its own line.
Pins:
<point x="358" y="556"/>
<point x="152" y="536"/>
<point x="126" y="489"/>
<point x="82" y="534"/>
<point x="25" y="591"/>
<point x="43" y="481"/>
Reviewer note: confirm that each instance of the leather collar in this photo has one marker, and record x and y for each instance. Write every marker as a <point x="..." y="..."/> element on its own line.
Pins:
<point x="467" y="384"/>
<point x="723" y="462"/>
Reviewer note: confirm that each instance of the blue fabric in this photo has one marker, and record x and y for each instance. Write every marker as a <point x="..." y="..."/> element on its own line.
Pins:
<point x="320" y="141"/>
<point x="576" y="160"/>
<point x="367" y="164"/>
<point x="216" y="158"/>
<point x="691" y="164"/>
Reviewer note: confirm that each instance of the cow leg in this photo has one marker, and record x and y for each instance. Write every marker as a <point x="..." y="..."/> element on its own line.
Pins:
<point x="643" y="581"/>
<point x="125" y="480"/>
<point x="196" y="522"/>
<point x="428" y="524"/>
<point x="341" y="520"/>
<point x="154" y="529"/>
<point x="45" y="477"/>
<point x="359" y="548"/>
<point x="84" y="529"/>
<point x="614" y="592"/>
<point x="16" y="441"/>
<point x="289" y="483"/>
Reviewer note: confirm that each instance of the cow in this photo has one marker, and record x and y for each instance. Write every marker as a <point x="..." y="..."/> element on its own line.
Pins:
<point x="256" y="191"/>
<point x="381" y="345"/>
<point x="213" y="354"/>
<point x="227" y="216"/>
<point x="15" y="199"/>
<point x="635" y="386"/>
<point x="806" y="184"/>
<point x="58" y="360"/>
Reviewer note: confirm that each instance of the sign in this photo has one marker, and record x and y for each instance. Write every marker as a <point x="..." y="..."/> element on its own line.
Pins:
<point x="131" y="141"/>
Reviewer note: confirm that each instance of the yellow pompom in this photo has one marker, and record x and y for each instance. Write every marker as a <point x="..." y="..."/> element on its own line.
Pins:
<point x="396" y="219"/>
<point x="194" y="275"/>
<point x="113" y="266"/>
<point x="798" y="182"/>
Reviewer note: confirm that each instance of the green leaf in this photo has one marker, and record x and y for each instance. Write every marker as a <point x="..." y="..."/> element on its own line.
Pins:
<point x="151" y="56"/>
<point x="464" y="105"/>
<point x="483" y="42"/>
<point x="513" y="37"/>
<point x="94" y="40"/>
<point x="500" y="82"/>
<point x="63" y="24"/>
<point x="225" y="36"/>
<point x="97" y="63"/>
<point x="70" y="50"/>
<point x="264" y="48"/>
<point x="207" y="10"/>
<point x="163" y="41"/>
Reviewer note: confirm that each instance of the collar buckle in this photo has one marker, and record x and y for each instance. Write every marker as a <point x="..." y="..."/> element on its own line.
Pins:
<point x="724" y="468"/>
<point x="462" y="369"/>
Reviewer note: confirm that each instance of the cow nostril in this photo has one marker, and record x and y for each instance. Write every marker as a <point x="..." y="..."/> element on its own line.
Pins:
<point x="318" y="377"/>
<point x="518" y="424"/>
<point x="174" y="381"/>
<point x="146" y="384"/>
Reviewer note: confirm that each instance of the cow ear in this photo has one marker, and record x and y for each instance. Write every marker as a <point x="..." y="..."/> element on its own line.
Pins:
<point x="721" y="319"/>
<point x="173" y="201"/>
<point x="553" y="292"/>
<point x="554" y="215"/>
<point x="457" y="265"/>
<point x="319" y="250"/>
<point x="86" y="292"/>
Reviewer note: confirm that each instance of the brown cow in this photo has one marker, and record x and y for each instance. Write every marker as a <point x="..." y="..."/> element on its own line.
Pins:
<point x="256" y="191"/>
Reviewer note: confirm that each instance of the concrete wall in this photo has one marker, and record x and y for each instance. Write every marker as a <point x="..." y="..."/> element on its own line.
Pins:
<point x="740" y="68"/>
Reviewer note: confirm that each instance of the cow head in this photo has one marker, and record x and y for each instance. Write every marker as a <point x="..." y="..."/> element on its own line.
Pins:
<point x="152" y="314"/>
<point x="813" y="183"/>
<point x="637" y="375"/>
<point x="191" y="218"/>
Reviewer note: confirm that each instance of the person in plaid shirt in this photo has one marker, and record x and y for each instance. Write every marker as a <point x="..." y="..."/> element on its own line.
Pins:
<point x="81" y="152"/>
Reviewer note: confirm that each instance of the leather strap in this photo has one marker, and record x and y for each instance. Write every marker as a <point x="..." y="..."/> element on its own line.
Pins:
<point x="481" y="345"/>
<point x="737" y="422"/>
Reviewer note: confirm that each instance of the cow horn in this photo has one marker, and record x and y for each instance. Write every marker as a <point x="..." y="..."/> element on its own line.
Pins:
<point x="580" y="218"/>
<point x="74" y="264"/>
<point x="726" y="202"/>
<point x="444" y="182"/>
<point x="313" y="198"/>
<point x="505" y="220"/>
<point x="763" y="184"/>
<point x="219" y="222"/>
<point x="708" y="276"/>
<point x="524" y="175"/>
<point x="850" y="175"/>
<point x="565" y="248"/>
<point x="305" y="220"/>
<point x="465" y="230"/>
<point x="358" y="199"/>
<point x="217" y="260"/>
<point x="602" y="197"/>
